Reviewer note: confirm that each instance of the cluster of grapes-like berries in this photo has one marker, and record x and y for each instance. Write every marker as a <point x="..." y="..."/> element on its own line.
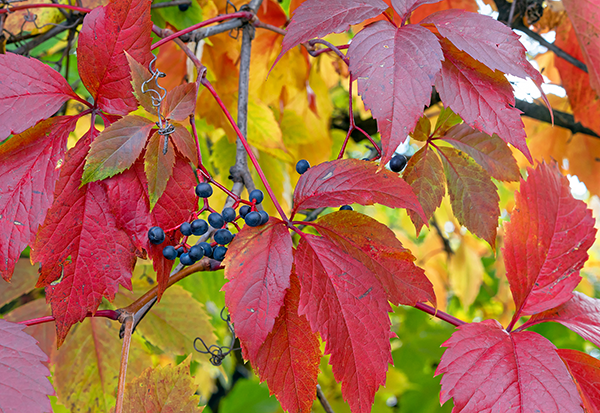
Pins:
<point x="221" y="237"/>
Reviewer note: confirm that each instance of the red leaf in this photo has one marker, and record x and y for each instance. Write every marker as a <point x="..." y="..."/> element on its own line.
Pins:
<point x="473" y="195"/>
<point x="425" y="174"/>
<point x="398" y="85"/>
<point x="158" y="166"/>
<point x="546" y="241"/>
<point x="128" y="199"/>
<point x="487" y="369"/>
<point x="123" y="26"/>
<point x="348" y="307"/>
<point x="23" y="377"/>
<point x="29" y="172"/>
<point x="378" y="249"/>
<point x="116" y="148"/>
<point x="486" y="40"/>
<point x="423" y="11"/>
<point x="180" y="102"/>
<point x="405" y="7"/>
<point x="490" y="152"/>
<point x="139" y="75"/>
<point x="30" y="91"/>
<point x="482" y="97"/>
<point x="84" y="255"/>
<point x="316" y="18"/>
<point x="289" y="358"/>
<point x="585" y="16"/>
<point x="258" y="266"/>
<point x="185" y="143"/>
<point x="586" y="371"/>
<point x="580" y="314"/>
<point x="347" y="181"/>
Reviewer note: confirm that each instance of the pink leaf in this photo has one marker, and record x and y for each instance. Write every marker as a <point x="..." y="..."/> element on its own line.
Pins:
<point x="24" y="380"/>
<point x="348" y="307"/>
<point x="347" y="181"/>
<point x="29" y="91"/>
<point x="546" y="241"/>
<point x="487" y="369"/>
<point x="585" y="369"/>
<point x="29" y="172"/>
<point x="258" y="266"/>
<point x="405" y="7"/>
<point x="395" y="68"/>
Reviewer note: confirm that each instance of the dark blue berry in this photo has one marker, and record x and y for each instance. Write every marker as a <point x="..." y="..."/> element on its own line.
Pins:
<point x="204" y="190"/>
<point x="229" y="214"/>
<point x="216" y="220"/>
<point x="184" y="7"/>
<point x="244" y="209"/>
<point x="256" y="195"/>
<point x="264" y="217"/>
<point x="179" y="251"/>
<point x="207" y="249"/>
<point x="223" y="237"/>
<point x="302" y="166"/>
<point x="346" y="208"/>
<point x="199" y="227"/>
<point x="186" y="229"/>
<point x="398" y="163"/>
<point x="219" y="253"/>
<point x="185" y="259"/>
<point x="169" y="252"/>
<point x="253" y="219"/>
<point x="156" y="235"/>
<point x="196" y="252"/>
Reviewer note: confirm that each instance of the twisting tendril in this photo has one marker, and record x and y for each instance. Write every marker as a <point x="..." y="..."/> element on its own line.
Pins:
<point x="218" y="353"/>
<point x="164" y="127"/>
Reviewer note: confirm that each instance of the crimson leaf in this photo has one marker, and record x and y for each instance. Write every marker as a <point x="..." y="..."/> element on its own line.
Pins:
<point x="180" y="102"/>
<point x="585" y="369"/>
<point x="405" y="7"/>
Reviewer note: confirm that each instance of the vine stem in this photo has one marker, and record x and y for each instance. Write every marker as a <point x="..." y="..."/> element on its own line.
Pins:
<point x="51" y="5"/>
<point x="237" y="15"/>
<point x="128" y="322"/>
<point x="439" y="314"/>
<point x="111" y="314"/>
<point x="323" y="400"/>
<point x="259" y="170"/>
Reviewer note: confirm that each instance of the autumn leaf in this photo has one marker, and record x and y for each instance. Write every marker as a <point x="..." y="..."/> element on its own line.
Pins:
<point x="473" y="195"/>
<point x="546" y="241"/>
<point x="23" y="281"/>
<point x="348" y="306"/>
<point x="123" y="26"/>
<point x="45" y="333"/>
<point x="158" y="166"/>
<point x="289" y="357"/>
<point x="23" y="377"/>
<point x="347" y="181"/>
<point x="84" y="255"/>
<point x="139" y="75"/>
<point x="427" y="9"/>
<point x="264" y="132"/>
<point x="487" y="369"/>
<point x="585" y="369"/>
<point x="29" y="173"/>
<point x="180" y="102"/>
<point x="258" y="266"/>
<point x="163" y="389"/>
<point x="31" y="91"/>
<point x="185" y="143"/>
<point x="405" y="7"/>
<point x="408" y="59"/>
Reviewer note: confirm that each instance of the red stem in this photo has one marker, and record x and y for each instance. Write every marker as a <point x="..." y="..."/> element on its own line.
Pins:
<point x="440" y="314"/>
<point x="327" y="50"/>
<point x="240" y="14"/>
<point x="51" y="5"/>
<point x="112" y="314"/>
<point x="259" y="170"/>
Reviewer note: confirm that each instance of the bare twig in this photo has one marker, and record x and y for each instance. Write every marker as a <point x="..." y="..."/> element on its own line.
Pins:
<point x="323" y="400"/>
<point x="171" y="4"/>
<point x="261" y="25"/>
<point x="26" y="48"/>
<point x="128" y="323"/>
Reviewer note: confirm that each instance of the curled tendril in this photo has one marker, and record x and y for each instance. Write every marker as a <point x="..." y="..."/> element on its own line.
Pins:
<point x="218" y="353"/>
<point x="164" y="127"/>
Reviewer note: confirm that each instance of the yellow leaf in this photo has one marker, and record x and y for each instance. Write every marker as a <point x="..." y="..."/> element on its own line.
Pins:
<point x="264" y="132"/>
<point x="466" y="272"/>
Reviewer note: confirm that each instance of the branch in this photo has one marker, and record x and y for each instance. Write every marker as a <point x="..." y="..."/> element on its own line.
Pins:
<point x="323" y="400"/>
<point x="562" y="119"/>
<point x="56" y="30"/>
<point x="128" y="323"/>
<point x="171" y="4"/>
<point x="439" y="314"/>
<point x="110" y="314"/>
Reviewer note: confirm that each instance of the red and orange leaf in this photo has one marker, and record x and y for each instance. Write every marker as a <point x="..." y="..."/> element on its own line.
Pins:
<point x="585" y="16"/>
<point x="258" y="266"/>
<point x="378" y="249"/>
<point x="139" y="75"/>
<point x="395" y="68"/>
<point x="490" y="152"/>
<point x="425" y="174"/>
<point x="29" y="173"/>
<point x="128" y="199"/>
<point x="185" y="143"/>
<point x="123" y="26"/>
<point x="316" y="18"/>
<point x="580" y="314"/>
<point x="163" y="389"/>
<point x="405" y="7"/>
<point x="24" y="384"/>
<point x="586" y="371"/>
<point x="289" y="358"/>
<point x="158" y="165"/>
<point x="546" y="241"/>
<point x="116" y="148"/>
<point x="30" y="91"/>
<point x="180" y="102"/>
<point x="482" y="97"/>
<point x="425" y="10"/>
<point x="473" y="195"/>
<point x="84" y="255"/>
<point x="487" y="369"/>
<point x="348" y="306"/>
<point x="348" y="181"/>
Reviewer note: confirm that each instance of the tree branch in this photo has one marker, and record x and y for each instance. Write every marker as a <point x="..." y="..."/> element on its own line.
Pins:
<point x="171" y="4"/>
<point x="323" y="400"/>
